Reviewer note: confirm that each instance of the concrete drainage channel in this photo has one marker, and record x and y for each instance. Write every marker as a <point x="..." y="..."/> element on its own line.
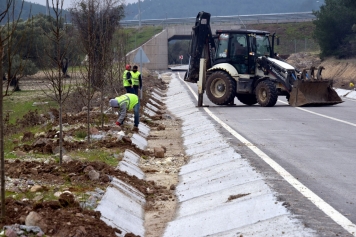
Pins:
<point x="219" y="193"/>
<point x="122" y="205"/>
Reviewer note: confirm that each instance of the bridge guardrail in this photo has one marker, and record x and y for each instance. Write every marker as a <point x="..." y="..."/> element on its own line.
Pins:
<point x="242" y="19"/>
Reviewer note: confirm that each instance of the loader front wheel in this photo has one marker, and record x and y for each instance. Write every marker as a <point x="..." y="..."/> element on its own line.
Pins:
<point x="266" y="93"/>
<point x="247" y="99"/>
<point x="220" y="88"/>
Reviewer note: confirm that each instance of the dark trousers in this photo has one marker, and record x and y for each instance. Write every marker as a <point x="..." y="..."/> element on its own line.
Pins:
<point x="129" y="89"/>
<point x="135" y="89"/>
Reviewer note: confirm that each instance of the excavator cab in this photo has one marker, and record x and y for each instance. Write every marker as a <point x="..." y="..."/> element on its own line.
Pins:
<point x="242" y="63"/>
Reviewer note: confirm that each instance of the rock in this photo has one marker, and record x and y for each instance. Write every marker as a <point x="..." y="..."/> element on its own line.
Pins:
<point x="79" y="214"/>
<point x="158" y="152"/>
<point x="15" y="141"/>
<point x="36" y="188"/>
<point x="66" y="199"/>
<point x="38" y="198"/>
<point x="93" y="175"/>
<point x="82" y="229"/>
<point x="57" y="194"/>
<point x="20" y="153"/>
<point x="41" y="142"/>
<point x="88" y="168"/>
<point x="41" y="134"/>
<point x="66" y="159"/>
<point x="56" y="150"/>
<point x="10" y="233"/>
<point x="164" y="148"/>
<point x="27" y="136"/>
<point x="161" y="127"/>
<point x="34" y="171"/>
<point x="48" y="149"/>
<point x="173" y="187"/>
<point x="35" y="219"/>
<point x="94" y="130"/>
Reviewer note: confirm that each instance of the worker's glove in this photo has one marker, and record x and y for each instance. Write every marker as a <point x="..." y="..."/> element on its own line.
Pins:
<point x="118" y="124"/>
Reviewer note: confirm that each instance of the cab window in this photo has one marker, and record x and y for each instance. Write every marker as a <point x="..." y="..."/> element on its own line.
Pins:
<point x="222" y="48"/>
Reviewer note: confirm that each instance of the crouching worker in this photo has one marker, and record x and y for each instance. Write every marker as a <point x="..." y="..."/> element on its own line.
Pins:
<point x="127" y="102"/>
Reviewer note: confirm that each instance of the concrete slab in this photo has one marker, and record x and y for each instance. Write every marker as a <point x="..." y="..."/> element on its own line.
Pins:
<point x="160" y="92"/>
<point x="122" y="207"/>
<point x="212" y="186"/>
<point x="131" y="169"/>
<point x="154" y="103"/>
<point x="132" y="157"/>
<point x="139" y="141"/>
<point x="149" y="112"/>
<point x="157" y="96"/>
<point x="144" y="130"/>
<point x="351" y="95"/>
<point x="341" y="92"/>
<point x="237" y="193"/>
<point x="152" y="107"/>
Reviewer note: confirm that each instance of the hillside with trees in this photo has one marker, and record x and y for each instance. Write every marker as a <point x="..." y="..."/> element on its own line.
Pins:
<point x="29" y="9"/>
<point x="161" y="9"/>
<point x="335" y="28"/>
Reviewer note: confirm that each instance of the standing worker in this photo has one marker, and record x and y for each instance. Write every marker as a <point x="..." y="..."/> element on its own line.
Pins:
<point x="127" y="79"/>
<point x="127" y="102"/>
<point x="136" y="79"/>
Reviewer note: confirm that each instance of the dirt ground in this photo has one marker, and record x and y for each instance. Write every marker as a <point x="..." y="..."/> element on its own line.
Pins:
<point x="164" y="171"/>
<point x="63" y="215"/>
<point x="342" y="72"/>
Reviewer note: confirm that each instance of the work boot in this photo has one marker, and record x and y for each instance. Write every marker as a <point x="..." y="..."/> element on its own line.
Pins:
<point x="135" y="129"/>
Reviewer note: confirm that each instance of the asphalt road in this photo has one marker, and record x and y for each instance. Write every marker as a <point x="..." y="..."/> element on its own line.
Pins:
<point x="316" y="145"/>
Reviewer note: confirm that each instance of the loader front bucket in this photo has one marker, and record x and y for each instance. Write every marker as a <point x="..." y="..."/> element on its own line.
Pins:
<point x="313" y="93"/>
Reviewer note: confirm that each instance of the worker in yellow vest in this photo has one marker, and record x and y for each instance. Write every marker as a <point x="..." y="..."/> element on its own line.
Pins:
<point x="136" y="79"/>
<point x="124" y="103"/>
<point x="127" y="79"/>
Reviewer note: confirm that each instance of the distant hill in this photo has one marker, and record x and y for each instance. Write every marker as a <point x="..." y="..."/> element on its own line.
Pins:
<point x="161" y="9"/>
<point x="29" y="9"/>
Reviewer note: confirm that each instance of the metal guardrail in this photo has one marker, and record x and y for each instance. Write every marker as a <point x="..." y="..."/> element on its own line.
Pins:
<point x="245" y="19"/>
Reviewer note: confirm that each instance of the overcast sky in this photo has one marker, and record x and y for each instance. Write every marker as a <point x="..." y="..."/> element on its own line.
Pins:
<point x="66" y="3"/>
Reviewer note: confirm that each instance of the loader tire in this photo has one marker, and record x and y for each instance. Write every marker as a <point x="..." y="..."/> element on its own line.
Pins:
<point x="220" y="88"/>
<point x="247" y="99"/>
<point x="266" y="93"/>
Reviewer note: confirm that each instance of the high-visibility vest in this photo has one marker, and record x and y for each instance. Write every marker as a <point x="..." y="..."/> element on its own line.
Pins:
<point x="125" y="80"/>
<point x="130" y="99"/>
<point x="135" y="78"/>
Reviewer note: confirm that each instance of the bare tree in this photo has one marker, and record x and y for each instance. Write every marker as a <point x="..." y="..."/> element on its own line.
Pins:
<point x="53" y="65"/>
<point x="96" y="22"/>
<point x="10" y="5"/>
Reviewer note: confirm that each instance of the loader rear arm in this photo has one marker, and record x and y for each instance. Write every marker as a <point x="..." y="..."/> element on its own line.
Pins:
<point x="202" y="45"/>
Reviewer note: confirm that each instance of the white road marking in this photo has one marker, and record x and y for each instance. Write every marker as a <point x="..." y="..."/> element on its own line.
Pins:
<point x="322" y="115"/>
<point x="319" y="202"/>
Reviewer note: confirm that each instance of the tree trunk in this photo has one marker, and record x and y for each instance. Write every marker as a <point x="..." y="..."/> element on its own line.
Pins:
<point x="2" y="158"/>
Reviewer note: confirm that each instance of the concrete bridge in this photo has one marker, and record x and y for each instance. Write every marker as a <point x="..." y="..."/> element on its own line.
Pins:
<point x="156" y="49"/>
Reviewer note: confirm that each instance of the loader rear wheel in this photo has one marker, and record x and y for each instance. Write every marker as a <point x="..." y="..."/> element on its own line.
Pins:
<point x="266" y="93"/>
<point x="247" y="99"/>
<point x="220" y="88"/>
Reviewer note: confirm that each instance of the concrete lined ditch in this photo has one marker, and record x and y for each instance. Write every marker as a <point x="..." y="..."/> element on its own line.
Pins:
<point x="219" y="193"/>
